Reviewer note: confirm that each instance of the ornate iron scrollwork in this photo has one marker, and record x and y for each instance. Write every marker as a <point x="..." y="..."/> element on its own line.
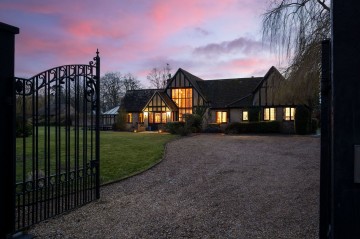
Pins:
<point x="58" y="105"/>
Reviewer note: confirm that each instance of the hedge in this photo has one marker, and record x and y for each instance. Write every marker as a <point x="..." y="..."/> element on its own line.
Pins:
<point x="253" y="127"/>
<point x="213" y="128"/>
<point x="174" y="127"/>
<point x="302" y="120"/>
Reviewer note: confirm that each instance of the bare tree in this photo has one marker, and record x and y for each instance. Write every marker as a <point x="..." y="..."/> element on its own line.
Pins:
<point x="130" y="82"/>
<point x="111" y="90"/>
<point x="158" y="78"/>
<point x="295" y="29"/>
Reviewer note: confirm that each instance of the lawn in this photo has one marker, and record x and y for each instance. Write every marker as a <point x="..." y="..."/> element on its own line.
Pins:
<point x="122" y="154"/>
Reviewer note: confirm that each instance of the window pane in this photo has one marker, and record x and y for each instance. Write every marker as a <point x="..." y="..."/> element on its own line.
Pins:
<point x="163" y="117"/>
<point x="292" y="113"/>
<point x="224" y="117"/>
<point x="129" y="118"/>
<point x="157" y="118"/>
<point x="266" y="114"/>
<point x="289" y="113"/>
<point x="272" y="114"/>
<point x="188" y="103"/>
<point x="218" y="117"/>
<point x="151" y="115"/>
<point x="245" y="116"/>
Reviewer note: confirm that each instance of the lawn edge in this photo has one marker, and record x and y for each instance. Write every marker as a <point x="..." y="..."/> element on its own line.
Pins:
<point x="146" y="169"/>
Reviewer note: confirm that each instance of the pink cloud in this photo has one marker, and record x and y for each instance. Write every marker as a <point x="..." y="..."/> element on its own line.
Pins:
<point x="133" y="36"/>
<point x="249" y="66"/>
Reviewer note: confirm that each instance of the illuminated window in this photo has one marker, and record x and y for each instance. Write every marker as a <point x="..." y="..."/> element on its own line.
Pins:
<point x="183" y="99"/>
<point x="157" y="117"/>
<point x="129" y="117"/>
<point x="141" y="118"/>
<point x="269" y="114"/>
<point x="221" y="117"/>
<point x="289" y="113"/>
<point x="245" y="115"/>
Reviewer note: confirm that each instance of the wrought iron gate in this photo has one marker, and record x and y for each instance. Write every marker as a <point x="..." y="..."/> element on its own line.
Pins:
<point x="57" y="145"/>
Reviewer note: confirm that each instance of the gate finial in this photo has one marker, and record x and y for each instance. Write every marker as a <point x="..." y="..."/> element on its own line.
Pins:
<point x="97" y="52"/>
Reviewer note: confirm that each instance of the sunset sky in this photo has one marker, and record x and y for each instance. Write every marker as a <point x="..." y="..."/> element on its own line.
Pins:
<point x="209" y="38"/>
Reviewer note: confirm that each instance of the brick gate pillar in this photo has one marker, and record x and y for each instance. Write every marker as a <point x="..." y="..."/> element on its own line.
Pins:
<point x="7" y="129"/>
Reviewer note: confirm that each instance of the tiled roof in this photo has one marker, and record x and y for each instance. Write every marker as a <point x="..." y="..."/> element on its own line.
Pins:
<point x="243" y="102"/>
<point x="135" y="100"/>
<point x="224" y="93"/>
<point x="113" y="111"/>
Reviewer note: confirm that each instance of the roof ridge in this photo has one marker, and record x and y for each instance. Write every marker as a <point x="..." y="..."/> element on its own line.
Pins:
<point x="242" y="78"/>
<point x="235" y="101"/>
<point x="196" y="77"/>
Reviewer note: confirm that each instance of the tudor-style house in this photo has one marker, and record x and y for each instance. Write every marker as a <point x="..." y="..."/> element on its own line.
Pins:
<point x="225" y="100"/>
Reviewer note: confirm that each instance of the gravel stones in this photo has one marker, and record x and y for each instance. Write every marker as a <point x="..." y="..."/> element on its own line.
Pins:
<point x="208" y="186"/>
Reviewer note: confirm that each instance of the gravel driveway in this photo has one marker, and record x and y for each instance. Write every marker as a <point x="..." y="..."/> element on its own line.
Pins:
<point x="208" y="186"/>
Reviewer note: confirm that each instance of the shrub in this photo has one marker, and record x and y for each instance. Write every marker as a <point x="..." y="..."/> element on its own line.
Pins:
<point x="23" y="130"/>
<point x="213" y="128"/>
<point x="120" y="121"/>
<point x="194" y="123"/>
<point x="173" y="127"/>
<point x="302" y="120"/>
<point x="253" y="127"/>
<point x="254" y="114"/>
<point x="183" y="131"/>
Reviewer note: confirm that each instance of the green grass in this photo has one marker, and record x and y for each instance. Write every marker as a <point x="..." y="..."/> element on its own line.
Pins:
<point x="122" y="154"/>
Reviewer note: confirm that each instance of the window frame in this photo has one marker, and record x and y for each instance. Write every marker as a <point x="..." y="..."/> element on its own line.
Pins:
<point x="292" y="111"/>
<point x="222" y="114"/>
<point x="247" y="115"/>
<point x="129" y="118"/>
<point x="141" y="118"/>
<point x="184" y="100"/>
<point x="269" y="118"/>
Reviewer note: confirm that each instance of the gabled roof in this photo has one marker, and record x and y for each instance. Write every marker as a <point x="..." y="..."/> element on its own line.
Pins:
<point x="168" y="101"/>
<point x="193" y="80"/>
<point x="135" y="100"/>
<point x="224" y="92"/>
<point x="271" y="71"/>
<point x="113" y="111"/>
